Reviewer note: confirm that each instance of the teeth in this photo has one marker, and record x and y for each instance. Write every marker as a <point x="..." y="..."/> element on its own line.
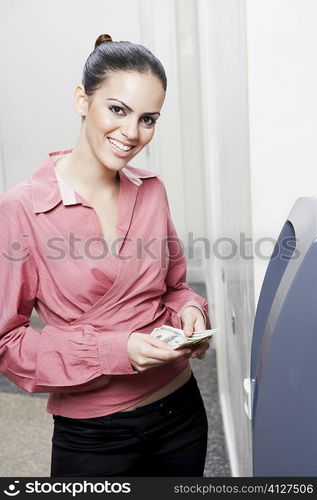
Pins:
<point x="119" y="145"/>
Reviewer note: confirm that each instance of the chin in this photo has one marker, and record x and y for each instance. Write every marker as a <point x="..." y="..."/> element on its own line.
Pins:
<point x="112" y="163"/>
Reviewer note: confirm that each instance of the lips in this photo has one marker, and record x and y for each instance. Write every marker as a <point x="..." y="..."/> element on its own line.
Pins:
<point x="120" y="145"/>
<point x="120" y="149"/>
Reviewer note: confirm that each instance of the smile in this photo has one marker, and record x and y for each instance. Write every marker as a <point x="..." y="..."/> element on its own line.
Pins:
<point x="119" y="145"/>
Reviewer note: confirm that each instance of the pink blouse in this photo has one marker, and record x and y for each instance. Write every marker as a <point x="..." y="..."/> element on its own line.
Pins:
<point x="54" y="258"/>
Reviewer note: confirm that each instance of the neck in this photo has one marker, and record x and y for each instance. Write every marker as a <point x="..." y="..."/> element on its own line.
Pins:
<point x="82" y="168"/>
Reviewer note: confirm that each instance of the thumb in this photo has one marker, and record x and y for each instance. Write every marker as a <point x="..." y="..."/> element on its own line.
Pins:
<point x="188" y="328"/>
<point x="200" y="325"/>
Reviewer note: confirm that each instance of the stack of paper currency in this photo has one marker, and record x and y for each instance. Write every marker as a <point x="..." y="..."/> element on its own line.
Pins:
<point x="177" y="339"/>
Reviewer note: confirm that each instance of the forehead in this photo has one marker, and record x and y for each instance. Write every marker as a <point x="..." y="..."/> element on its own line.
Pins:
<point x="133" y="88"/>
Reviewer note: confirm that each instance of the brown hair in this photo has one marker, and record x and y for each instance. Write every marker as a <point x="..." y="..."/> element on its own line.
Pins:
<point x="109" y="56"/>
<point x="102" y="39"/>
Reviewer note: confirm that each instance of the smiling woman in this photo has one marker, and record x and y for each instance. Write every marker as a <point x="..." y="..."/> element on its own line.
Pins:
<point x="127" y="130"/>
<point x="124" y="403"/>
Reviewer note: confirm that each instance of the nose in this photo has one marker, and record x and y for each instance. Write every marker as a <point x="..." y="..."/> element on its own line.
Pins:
<point x="130" y="130"/>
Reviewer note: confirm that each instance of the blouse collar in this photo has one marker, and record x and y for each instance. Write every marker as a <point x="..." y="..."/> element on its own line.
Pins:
<point x="49" y="188"/>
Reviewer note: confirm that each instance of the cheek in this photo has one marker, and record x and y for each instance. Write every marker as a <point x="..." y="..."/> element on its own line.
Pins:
<point x="146" y="136"/>
<point x="101" y="120"/>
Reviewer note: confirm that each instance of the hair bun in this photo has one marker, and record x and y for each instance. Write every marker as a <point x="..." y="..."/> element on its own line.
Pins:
<point x="103" y="38"/>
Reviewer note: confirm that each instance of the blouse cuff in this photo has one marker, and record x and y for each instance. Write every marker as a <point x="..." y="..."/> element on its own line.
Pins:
<point x="113" y="353"/>
<point x="72" y="357"/>
<point x="67" y="357"/>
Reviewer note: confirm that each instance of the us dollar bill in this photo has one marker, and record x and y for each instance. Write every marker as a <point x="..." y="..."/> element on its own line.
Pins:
<point x="176" y="338"/>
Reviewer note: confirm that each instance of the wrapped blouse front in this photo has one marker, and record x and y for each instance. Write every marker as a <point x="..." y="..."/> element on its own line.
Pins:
<point x="54" y="258"/>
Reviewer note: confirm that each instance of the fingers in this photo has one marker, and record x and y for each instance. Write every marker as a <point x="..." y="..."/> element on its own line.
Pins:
<point x="199" y="351"/>
<point x="192" y="320"/>
<point x="146" y="351"/>
<point x="153" y="356"/>
<point x="158" y="343"/>
<point x="164" y="355"/>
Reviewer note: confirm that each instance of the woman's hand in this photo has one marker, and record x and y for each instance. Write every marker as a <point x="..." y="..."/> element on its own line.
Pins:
<point x="146" y="352"/>
<point x="199" y="350"/>
<point x="194" y="321"/>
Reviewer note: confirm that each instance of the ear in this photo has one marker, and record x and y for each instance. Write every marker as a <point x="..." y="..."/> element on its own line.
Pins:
<point x="81" y="100"/>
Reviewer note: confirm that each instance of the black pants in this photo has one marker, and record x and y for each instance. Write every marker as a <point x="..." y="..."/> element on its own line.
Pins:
<point x="167" y="438"/>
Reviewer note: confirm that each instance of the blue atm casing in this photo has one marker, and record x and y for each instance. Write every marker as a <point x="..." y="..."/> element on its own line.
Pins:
<point x="284" y="352"/>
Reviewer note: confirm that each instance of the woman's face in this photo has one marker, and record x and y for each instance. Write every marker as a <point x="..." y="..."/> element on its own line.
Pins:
<point x="120" y="116"/>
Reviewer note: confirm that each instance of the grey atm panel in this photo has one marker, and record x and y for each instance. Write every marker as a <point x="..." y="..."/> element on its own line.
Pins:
<point x="284" y="352"/>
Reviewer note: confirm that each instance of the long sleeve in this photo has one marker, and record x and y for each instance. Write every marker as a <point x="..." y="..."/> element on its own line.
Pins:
<point x="178" y="294"/>
<point x="59" y="358"/>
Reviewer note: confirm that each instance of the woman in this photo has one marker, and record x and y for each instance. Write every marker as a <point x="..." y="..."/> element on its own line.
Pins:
<point x="89" y="242"/>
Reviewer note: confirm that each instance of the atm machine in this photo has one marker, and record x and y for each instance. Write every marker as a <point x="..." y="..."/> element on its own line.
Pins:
<point x="283" y="379"/>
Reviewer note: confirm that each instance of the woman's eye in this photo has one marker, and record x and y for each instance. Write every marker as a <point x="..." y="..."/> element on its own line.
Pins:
<point x="117" y="110"/>
<point x="148" y="120"/>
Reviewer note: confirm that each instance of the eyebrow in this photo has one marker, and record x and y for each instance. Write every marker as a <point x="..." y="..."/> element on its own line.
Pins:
<point x="128" y="107"/>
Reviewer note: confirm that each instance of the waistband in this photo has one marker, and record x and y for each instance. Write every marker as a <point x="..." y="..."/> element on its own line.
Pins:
<point x="171" y="399"/>
<point x="184" y="393"/>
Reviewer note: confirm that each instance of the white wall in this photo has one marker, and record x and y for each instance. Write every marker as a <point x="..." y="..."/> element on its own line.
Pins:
<point x="282" y="81"/>
<point x="228" y="205"/>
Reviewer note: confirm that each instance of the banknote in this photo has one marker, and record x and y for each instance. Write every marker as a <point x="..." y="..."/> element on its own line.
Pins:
<point x="176" y="338"/>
